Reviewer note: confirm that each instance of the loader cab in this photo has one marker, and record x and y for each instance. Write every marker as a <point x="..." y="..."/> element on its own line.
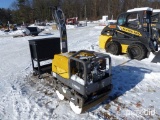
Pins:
<point x="131" y="20"/>
<point x="156" y="16"/>
<point x="137" y="18"/>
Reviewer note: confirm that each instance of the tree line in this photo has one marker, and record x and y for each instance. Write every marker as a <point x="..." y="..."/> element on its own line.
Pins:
<point x="28" y="11"/>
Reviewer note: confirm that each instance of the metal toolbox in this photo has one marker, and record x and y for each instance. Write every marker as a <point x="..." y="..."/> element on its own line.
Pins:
<point x="42" y="50"/>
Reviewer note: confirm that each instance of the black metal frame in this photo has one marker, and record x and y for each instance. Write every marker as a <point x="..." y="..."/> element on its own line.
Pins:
<point x="40" y="69"/>
<point x="42" y="50"/>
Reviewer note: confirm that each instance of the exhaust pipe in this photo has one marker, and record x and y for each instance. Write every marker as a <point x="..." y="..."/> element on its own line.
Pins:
<point x="59" y="17"/>
<point x="156" y="59"/>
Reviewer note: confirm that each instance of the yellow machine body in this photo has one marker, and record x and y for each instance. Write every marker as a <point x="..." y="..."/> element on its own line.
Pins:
<point x="60" y="65"/>
<point x="124" y="48"/>
<point x="131" y="31"/>
<point x="104" y="39"/>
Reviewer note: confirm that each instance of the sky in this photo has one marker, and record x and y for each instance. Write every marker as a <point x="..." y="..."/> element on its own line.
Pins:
<point x="6" y="3"/>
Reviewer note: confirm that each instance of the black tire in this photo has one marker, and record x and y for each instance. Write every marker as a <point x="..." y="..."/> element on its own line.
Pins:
<point x="113" y="47"/>
<point x="137" y="51"/>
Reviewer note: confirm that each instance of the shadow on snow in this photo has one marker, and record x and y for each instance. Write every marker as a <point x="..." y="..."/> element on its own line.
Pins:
<point x="124" y="78"/>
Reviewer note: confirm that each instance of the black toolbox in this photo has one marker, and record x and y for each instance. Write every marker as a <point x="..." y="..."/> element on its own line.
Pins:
<point x="42" y="50"/>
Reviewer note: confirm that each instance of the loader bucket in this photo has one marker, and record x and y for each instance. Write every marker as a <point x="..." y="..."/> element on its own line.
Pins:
<point x="156" y="59"/>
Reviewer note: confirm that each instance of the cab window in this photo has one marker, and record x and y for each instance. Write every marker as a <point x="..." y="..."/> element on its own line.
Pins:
<point x="133" y="20"/>
<point x="121" y="20"/>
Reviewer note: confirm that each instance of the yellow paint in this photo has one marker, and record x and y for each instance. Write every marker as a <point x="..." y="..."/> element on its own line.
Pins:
<point x="120" y="32"/>
<point x="134" y="32"/>
<point x="86" y="54"/>
<point x="60" y="65"/>
<point x="64" y="38"/>
<point x="153" y="25"/>
<point x="54" y="27"/>
<point x="103" y="39"/>
<point x="124" y="48"/>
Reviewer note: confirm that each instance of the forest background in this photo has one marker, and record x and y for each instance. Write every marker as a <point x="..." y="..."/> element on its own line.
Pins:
<point x="27" y="11"/>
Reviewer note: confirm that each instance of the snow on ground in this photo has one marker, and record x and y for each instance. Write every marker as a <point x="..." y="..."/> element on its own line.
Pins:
<point x="19" y="32"/>
<point x="135" y="94"/>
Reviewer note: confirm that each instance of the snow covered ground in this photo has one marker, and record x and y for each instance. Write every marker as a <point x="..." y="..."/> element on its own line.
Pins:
<point x="135" y="94"/>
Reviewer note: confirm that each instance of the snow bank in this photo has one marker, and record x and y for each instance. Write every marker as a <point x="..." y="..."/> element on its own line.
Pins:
<point x="70" y="26"/>
<point x="99" y="27"/>
<point x="2" y="33"/>
<point x="17" y="33"/>
<point x="12" y="33"/>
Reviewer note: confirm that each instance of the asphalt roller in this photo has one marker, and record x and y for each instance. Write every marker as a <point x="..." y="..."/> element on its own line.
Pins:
<point x="83" y="78"/>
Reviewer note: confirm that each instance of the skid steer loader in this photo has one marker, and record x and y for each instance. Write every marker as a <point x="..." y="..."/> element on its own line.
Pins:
<point x="82" y="77"/>
<point x="132" y="34"/>
<point x="156" y="24"/>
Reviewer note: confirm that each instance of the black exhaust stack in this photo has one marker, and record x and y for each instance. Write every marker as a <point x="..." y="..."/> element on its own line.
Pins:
<point x="59" y="17"/>
<point x="156" y="59"/>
